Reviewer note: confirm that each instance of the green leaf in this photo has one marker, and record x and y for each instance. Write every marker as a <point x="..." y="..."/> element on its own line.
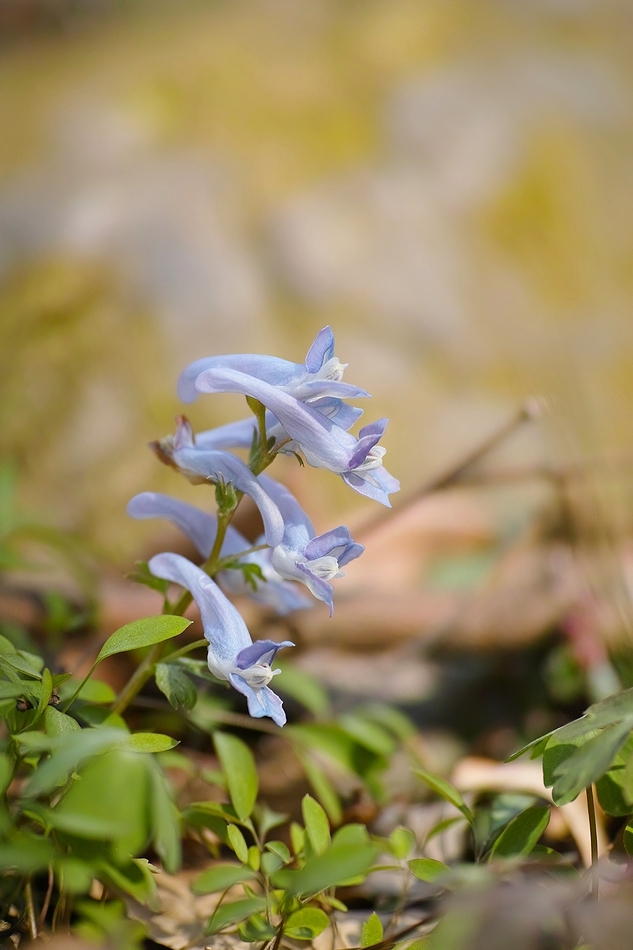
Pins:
<point x="176" y="686"/>
<point x="143" y="633"/>
<point x="45" y="695"/>
<point x="280" y="849"/>
<point x="6" y="772"/>
<point x="368" y="734"/>
<point x="306" y="924"/>
<point x="271" y="863"/>
<point x="149" y="742"/>
<point x="143" y="575"/>
<point x="321" y="786"/>
<point x="372" y="931"/>
<point x="336" y="865"/>
<point x="446" y="791"/>
<point x="92" y="691"/>
<point x="588" y="763"/>
<point x="316" y="823"/>
<point x="69" y="752"/>
<point x="351" y="836"/>
<point x="521" y="835"/>
<point x="615" y="788"/>
<point x="237" y="842"/>
<point x="302" y="687"/>
<point x="228" y="914"/>
<point x="238" y="766"/>
<point x="58" y="723"/>
<point x="628" y="838"/>
<point x="26" y="853"/>
<point x="256" y="929"/>
<point x="165" y="820"/>
<point x="220" y="877"/>
<point x="401" y="842"/>
<point x="427" y="869"/>
<point x="74" y="875"/>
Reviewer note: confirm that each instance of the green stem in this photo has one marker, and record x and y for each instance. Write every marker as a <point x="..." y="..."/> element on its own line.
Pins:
<point x="30" y="909"/>
<point x="593" y="833"/>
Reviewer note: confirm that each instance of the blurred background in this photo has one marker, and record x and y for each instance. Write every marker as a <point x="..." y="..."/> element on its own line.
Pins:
<point x="447" y="183"/>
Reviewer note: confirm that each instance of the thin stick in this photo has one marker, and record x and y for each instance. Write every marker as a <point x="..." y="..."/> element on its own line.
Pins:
<point x="47" y="899"/>
<point x="30" y="909"/>
<point x="529" y="411"/>
<point x="593" y="832"/>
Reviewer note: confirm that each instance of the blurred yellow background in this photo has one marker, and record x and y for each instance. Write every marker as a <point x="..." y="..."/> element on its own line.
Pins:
<point x="448" y="183"/>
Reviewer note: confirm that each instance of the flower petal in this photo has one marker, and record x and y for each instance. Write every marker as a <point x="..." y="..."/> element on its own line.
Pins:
<point x="321" y="350"/>
<point x="261" y="702"/>
<point x="216" y="465"/>
<point x="274" y="370"/>
<point x="261" y="651"/>
<point x="223" y="626"/>
<point x="199" y="526"/>
<point x="337" y="542"/>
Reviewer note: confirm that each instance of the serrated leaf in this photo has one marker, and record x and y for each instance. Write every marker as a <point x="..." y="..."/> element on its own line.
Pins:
<point x="372" y="931"/>
<point x="316" y="823"/>
<point x="176" y="686"/>
<point x="238" y="766"/>
<point x="238" y="842"/>
<point x="306" y="924"/>
<point x="143" y="633"/>
<point x="446" y="791"/>
<point x="427" y="869"/>
<point x="220" y="877"/>
<point x="521" y="835"/>
<point x="228" y="914"/>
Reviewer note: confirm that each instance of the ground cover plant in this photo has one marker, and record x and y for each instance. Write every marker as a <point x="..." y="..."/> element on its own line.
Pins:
<point x="90" y="820"/>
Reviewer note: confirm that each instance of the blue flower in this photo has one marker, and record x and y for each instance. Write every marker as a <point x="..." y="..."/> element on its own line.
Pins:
<point x="231" y="655"/>
<point x="201" y="528"/>
<point x="320" y="376"/>
<point x="325" y="445"/>
<point x="202" y="465"/>
<point x="302" y="556"/>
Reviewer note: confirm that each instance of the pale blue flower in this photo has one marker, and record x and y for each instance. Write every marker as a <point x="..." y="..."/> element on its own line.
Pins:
<point x="202" y="465"/>
<point x="302" y="556"/>
<point x="231" y="655"/>
<point x="325" y="445"/>
<point x="320" y="375"/>
<point x="201" y="528"/>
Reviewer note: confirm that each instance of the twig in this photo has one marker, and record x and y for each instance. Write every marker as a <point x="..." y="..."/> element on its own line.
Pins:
<point x="593" y="833"/>
<point x="528" y="412"/>
<point x="30" y="909"/>
<point x="47" y="898"/>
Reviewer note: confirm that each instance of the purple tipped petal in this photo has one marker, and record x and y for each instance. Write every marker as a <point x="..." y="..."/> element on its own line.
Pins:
<point x="321" y="350"/>
<point x="321" y="588"/>
<point x="261" y="702"/>
<point x="223" y="626"/>
<point x="377" y="488"/>
<point x="364" y="447"/>
<point x="262" y="651"/>
<point x="321" y="388"/>
<point x="374" y="428"/>
<point x="337" y="543"/>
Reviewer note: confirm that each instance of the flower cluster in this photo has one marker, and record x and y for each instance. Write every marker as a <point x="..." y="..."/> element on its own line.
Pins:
<point x="298" y="409"/>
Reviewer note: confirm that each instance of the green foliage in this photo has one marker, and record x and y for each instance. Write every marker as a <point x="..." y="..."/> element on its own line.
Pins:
<point x="176" y="686"/>
<point x="427" y="869"/>
<point x="238" y="766"/>
<point x="521" y="835"/>
<point x="316" y="824"/>
<point x="142" y="633"/>
<point x="446" y="791"/>
<point x="372" y="931"/>
<point x="220" y="877"/>
<point x="338" y="864"/>
<point x="306" y="924"/>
